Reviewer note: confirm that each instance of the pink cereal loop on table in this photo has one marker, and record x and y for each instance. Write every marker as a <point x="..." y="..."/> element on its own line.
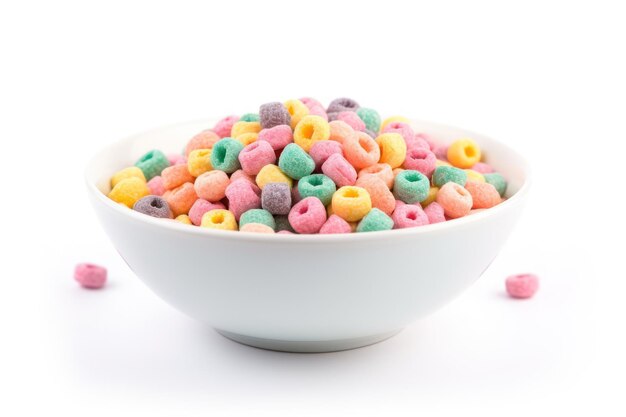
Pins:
<point x="352" y="119"/>
<point x="522" y="285"/>
<point x="225" y="125"/>
<point x="156" y="186"/>
<point x="89" y="275"/>
<point x="277" y="136"/>
<point x="409" y="215"/>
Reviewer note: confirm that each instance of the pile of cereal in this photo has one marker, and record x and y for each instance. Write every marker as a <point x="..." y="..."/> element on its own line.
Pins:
<point x="297" y="167"/>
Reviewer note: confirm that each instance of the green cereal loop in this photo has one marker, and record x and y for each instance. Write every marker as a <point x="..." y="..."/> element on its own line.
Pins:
<point x="295" y="162"/>
<point x="375" y="221"/>
<point x="257" y="216"/>
<point x="411" y="186"/>
<point x="250" y="117"/>
<point x="444" y="174"/>
<point x="317" y="185"/>
<point x="370" y="117"/>
<point x="225" y="155"/>
<point x="152" y="163"/>
<point x="498" y="181"/>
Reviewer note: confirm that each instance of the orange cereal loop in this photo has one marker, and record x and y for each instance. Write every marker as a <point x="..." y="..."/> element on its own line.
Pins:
<point x="127" y="173"/>
<point x="247" y="138"/>
<point x="392" y="149"/>
<point x="396" y="171"/>
<point x="351" y="203"/>
<point x="455" y="200"/>
<point x="181" y="199"/>
<point x="361" y="150"/>
<point x="128" y="191"/>
<point x="175" y="176"/>
<point x="240" y="128"/>
<point x="381" y="196"/>
<point x="464" y="153"/>
<point x="310" y="130"/>
<point x="340" y="131"/>
<point x="432" y="195"/>
<point x="383" y="171"/>
<point x="297" y="110"/>
<point x="393" y="119"/>
<point x="199" y="162"/>
<point x="484" y="195"/>
<point x="203" y="140"/>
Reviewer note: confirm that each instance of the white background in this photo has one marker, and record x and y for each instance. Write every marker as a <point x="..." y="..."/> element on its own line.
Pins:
<point x="547" y="77"/>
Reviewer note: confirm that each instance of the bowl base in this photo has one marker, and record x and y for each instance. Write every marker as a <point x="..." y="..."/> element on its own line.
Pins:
<point x="318" y="346"/>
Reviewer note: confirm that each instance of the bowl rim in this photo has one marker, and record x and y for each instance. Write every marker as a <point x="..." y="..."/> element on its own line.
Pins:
<point x="175" y="226"/>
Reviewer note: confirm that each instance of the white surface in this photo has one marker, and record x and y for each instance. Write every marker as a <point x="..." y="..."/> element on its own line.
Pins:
<point x="270" y="287"/>
<point x="547" y="77"/>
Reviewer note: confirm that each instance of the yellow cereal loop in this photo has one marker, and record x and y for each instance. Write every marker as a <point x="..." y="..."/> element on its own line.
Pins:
<point x="127" y="173"/>
<point x="432" y="195"/>
<point x="464" y="153"/>
<point x="474" y="176"/>
<point x="271" y="173"/>
<point x="240" y="128"/>
<point x="129" y="190"/>
<point x="183" y="218"/>
<point x="351" y="203"/>
<point x="219" y="219"/>
<point x="199" y="162"/>
<point x="247" y="138"/>
<point x="393" y="119"/>
<point x="309" y="130"/>
<point x="441" y="163"/>
<point x="392" y="149"/>
<point x="297" y="110"/>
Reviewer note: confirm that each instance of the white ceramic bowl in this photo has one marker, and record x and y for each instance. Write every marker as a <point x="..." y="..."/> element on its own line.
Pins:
<point x="305" y="293"/>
